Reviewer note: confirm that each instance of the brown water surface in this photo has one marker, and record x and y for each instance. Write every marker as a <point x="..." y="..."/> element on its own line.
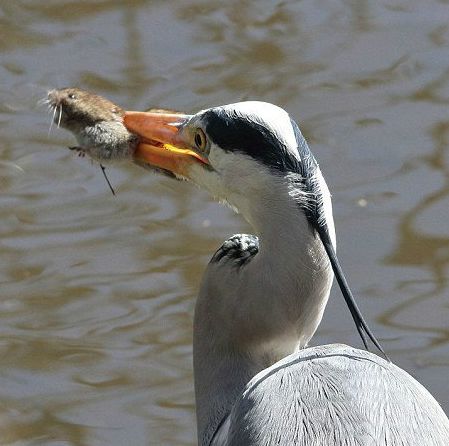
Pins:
<point x="97" y="292"/>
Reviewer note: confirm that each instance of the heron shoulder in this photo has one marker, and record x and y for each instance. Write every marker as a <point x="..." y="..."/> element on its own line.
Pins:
<point x="239" y="249"/>
<point x="332" y="395"/>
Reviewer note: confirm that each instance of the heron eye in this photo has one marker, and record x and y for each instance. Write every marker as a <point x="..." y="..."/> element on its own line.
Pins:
<point x="200" y="139"/>
<point x="72" y="96"/>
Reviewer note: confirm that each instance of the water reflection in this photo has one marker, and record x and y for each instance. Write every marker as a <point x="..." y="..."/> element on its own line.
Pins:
<point x="419" y="249"/>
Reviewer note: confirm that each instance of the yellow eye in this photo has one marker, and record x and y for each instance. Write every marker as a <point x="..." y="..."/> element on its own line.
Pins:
<point x="200" y="140"/>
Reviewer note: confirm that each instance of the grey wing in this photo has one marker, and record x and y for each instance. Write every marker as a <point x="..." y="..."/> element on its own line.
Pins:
<point x="335" y="395"/>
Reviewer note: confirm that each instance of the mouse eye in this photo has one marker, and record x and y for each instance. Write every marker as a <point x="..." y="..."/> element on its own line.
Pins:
<point x="72" y="96"/>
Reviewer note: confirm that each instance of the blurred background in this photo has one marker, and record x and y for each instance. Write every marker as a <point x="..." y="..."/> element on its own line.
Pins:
<point x="97" y="292"/>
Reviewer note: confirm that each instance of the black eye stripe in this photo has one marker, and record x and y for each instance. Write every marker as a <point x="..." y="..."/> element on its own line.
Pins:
<point x="237" y="133"/>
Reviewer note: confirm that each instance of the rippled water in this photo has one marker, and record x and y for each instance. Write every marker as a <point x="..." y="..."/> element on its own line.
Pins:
<point x="97" y="292"/>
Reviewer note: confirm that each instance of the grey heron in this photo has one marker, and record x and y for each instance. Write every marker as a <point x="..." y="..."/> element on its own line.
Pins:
<point x="262" y="298"/>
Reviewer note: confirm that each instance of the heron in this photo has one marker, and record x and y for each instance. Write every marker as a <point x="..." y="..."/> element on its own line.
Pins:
<point x="262" y="296"/>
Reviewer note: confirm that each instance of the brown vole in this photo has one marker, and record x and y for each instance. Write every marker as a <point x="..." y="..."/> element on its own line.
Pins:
<point x="96" y="122"/>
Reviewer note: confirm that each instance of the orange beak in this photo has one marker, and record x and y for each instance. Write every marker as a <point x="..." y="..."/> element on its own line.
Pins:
<point x="163" y="144"/>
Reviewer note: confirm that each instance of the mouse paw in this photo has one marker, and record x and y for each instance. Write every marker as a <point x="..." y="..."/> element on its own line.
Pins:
<point x="81" y="152"/>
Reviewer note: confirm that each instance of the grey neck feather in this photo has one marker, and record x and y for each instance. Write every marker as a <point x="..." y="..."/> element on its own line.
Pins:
<point x="248" y="318"/>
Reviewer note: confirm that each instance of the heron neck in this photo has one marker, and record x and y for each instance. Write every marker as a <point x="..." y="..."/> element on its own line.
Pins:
<point x="248" y="318"/>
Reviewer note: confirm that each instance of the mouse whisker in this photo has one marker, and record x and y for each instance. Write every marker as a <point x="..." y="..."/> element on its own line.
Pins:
<point x="43" y="101"/>
<point x="60" y="116"/>
<point x="52" y="120"/>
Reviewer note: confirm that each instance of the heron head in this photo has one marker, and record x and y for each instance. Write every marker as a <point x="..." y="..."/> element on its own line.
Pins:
<point x="238" y="152"/>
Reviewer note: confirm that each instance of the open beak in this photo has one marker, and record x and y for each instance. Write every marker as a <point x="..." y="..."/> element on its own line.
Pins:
<point x="164" y="142"/>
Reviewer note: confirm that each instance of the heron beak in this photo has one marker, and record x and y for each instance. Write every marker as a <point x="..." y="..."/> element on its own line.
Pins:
<point x="163" y="144"/>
